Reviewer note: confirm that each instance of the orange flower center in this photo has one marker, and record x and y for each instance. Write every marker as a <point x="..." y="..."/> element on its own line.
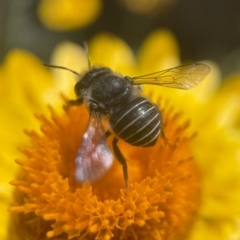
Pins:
<point x="161" y="203"/>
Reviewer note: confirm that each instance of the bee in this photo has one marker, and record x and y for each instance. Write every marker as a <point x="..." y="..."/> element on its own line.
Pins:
<point x="132" y="117"/>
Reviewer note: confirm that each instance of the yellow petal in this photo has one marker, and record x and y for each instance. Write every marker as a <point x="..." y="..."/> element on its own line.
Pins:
<point x="107" y="50"/>
<point x="227" y="107"/>
<point x="72" y="56"/>
<point x="23" y="80"/>
<point x="159" y="51"/>
<point x="65" y="15"/>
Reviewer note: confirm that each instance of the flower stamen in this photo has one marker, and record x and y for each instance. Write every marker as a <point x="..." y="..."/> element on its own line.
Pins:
<point x="163" y="193"/>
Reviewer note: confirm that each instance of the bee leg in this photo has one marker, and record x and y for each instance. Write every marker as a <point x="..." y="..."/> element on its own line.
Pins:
<point x="122" y="161"/>
<point x="163" y="134"/>
<point x="165" y="139"/>
<point x="75" y="102"/>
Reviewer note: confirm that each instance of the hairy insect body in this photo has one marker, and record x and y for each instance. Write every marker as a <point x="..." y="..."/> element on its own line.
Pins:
<point x="103" y="91"/>
<point x="132" y="118"/>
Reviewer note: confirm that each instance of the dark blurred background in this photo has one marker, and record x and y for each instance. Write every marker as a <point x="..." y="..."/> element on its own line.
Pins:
<point x="204" y="29"/>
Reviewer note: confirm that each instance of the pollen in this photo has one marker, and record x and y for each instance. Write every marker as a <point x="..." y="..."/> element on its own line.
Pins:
<point x="161" y="203"/>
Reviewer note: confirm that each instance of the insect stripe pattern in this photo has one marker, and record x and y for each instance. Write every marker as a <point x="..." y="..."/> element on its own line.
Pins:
<point x="153" y="139"/>
<point x="127" y="112"/>
<point x="141" y="126"/>
<point x="131" y="123"/>
<point x="140" y="129"/>
<point x="147" y="135"/>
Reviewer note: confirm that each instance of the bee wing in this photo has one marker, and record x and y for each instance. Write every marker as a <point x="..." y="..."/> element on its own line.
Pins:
<point x="182" y="77"/>
<point x="94" y="157"/>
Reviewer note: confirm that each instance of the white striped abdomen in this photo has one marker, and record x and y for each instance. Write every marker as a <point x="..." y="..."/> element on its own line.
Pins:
<point x="138" y="123"/>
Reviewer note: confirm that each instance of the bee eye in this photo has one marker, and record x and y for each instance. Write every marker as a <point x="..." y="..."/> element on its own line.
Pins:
<point x="93" y="105"/>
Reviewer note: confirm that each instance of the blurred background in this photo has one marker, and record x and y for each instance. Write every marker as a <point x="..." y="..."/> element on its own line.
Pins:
<point x="204" y="29"/>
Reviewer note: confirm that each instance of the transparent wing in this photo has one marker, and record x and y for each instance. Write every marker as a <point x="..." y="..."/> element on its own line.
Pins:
<point x="182" y="77"/>
<point x="94" y="157"/>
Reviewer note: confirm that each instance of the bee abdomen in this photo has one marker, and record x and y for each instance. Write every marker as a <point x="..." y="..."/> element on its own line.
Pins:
<point x="138" y="123"/>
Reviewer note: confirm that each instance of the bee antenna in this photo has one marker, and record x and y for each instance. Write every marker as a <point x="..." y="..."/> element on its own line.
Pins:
<point x="85" y="46"/>
<point x="60" y="67"/>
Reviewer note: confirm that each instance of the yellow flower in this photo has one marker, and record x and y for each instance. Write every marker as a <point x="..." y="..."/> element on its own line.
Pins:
<point x="185" y="187"/>
<point x="65" y="15"/>
<point x="22" y="78"/>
